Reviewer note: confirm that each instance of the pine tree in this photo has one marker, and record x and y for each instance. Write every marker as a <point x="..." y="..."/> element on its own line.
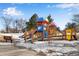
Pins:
<point x="49" y="18"/>
<point x="32" y="22"/>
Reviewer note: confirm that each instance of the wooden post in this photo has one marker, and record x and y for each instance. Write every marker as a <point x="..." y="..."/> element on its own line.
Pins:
<point x="71" y="34"/>
<point x="43" y="36"/>
<point x="75" y="34"/>
<point x="48" y="33"/>
<point x="32" y="37"/>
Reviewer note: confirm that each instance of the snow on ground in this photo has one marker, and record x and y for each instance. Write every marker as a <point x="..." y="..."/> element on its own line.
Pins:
<point x="14" y="35"/>
<point x="57" y="46"/>
<point x="4" y="43"/>
<point x="77" y="33"/>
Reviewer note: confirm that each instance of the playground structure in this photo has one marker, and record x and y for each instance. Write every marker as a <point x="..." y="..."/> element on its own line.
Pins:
<point x="53" y="32"/>
<point x="70" y="34"/>
<point x="49" y="30"/>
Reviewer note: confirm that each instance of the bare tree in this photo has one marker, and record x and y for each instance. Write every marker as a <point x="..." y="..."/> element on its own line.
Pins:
<point x="75" y="19"/>
<point x="15" y="25"/>
<point x="19" y="24"/>
<point x="7" y="22"/>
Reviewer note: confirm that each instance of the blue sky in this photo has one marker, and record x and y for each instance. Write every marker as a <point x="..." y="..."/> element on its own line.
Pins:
<point x="60" y="12"/>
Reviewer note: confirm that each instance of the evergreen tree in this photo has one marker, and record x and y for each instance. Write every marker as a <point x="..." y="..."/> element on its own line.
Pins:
<point x="32" y="22"/>
<point x="70" y="25"/>
<point x="49" y="18"/>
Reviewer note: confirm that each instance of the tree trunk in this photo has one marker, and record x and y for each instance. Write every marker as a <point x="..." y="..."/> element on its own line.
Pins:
<point x="7" y="29"/>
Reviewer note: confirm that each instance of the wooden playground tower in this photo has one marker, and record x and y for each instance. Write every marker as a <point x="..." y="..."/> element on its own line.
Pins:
<point x="43" y="25"/>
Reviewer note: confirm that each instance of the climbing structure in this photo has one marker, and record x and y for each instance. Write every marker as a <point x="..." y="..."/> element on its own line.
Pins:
<point x="43" y="30"/>
<point x="41" y="26"/>
<point x="70" y="34"/>
<point x="47" y="30"/>
<point x="53" y="32"/>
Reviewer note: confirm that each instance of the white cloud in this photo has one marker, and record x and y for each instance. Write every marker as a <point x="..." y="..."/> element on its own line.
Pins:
<point x="69" y="9"/>
<point x="12" y="11"/>
<point x="67" y="5"/>
<point x="50" y="6"/>
<point x="70" y="13"/>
